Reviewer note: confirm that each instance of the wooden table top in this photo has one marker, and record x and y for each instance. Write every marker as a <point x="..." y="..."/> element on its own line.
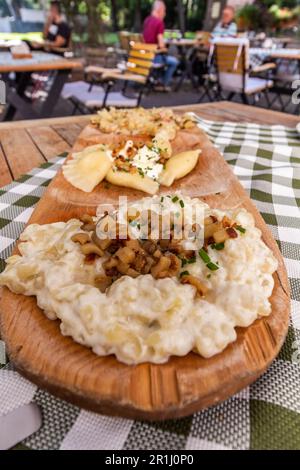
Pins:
<point x="184" y="42"/>
<point x="281" y="53"/>
<point x="27" y="144"/>
<point x="40" y="61"/>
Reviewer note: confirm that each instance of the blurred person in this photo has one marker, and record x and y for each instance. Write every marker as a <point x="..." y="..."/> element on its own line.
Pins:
<point x="57" y="32"/>
<point x="227" y="26"/>
<point x="153" y="33"/>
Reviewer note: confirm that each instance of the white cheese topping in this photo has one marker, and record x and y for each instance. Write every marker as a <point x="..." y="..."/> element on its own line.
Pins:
<point x="146" y="161"/>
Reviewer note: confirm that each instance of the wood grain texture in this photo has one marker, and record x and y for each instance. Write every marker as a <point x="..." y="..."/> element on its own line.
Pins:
<point x="68" y="128"/>
<point x="5" y="174"/>
<point x="147" y="391"/>
<point x="20" y="151"/>
<point x="46" y="140"/>
<point x="62" y="64"/>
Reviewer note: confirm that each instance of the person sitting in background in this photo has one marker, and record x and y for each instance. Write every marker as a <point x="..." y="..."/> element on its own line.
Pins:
<point x="153" y="33"/>
<point x="57" y="32"/>
<point x="227" y="26"/>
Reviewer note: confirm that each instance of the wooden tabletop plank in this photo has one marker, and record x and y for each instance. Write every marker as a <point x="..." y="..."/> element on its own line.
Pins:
<point x="40" y="67"/>
<point x="69" y="132"/>
<point x="5" y="174"/>
<point x="20" y="151"/>
<point x="59" y="121"/>
<point x="26" y="144"/>
<point x="48" y="141"/>
<point x="235" y="112"/>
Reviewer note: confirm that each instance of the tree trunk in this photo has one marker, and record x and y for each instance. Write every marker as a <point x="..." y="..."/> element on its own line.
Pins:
<point x="114" y="15"/>
<point x="210" y="22"/>
<point x="181" y="16"/>
<point x="138" y="16"/>
<point x="94" y="23"/>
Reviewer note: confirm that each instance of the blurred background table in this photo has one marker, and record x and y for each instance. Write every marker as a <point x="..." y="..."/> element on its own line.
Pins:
<point x="23" y="68"/>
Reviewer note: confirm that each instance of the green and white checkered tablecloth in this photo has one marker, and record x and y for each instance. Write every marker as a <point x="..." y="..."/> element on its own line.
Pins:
<point x="266" y="415"/>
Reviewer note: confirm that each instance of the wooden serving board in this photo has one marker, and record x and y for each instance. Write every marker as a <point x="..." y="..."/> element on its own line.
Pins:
<point x="184" y="384"/>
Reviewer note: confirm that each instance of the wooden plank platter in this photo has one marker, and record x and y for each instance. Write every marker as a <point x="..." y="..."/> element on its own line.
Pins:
<point x="155" y="392"/>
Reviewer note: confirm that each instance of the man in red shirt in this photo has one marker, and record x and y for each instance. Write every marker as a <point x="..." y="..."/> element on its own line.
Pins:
<point x="153" y="32"/>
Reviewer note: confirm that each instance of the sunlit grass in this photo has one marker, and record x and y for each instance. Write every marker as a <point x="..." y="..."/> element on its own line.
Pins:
<point x="28" y="36"/>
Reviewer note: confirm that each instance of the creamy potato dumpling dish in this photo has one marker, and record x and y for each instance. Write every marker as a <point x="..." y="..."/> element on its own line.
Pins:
<point x="145" y="299"/>
<point x="142" y="164"/>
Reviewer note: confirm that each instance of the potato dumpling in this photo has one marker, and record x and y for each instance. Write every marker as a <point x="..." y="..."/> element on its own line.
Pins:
<point x="179" y="166"/>
<point x="88" y="168"/>
<point x="132" y="180"/>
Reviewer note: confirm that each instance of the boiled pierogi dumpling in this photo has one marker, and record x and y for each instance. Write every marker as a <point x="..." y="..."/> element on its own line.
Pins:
<point x="179" y="166"/>
<point x="132" y="180"/>
<point x="88" y="168"/>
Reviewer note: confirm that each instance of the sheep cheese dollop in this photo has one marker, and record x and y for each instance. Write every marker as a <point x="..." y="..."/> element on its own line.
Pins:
<point x="145" y="160"/>
<point x="145" y="319"/>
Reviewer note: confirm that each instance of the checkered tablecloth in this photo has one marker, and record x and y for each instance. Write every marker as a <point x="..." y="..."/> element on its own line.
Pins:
<point x="266" y="415"/>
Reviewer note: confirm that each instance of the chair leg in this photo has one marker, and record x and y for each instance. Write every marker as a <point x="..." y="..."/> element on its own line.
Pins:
<point x="266" y="93"/>
<point x="140" y="96"/>
<point x="244" y="98"/>
<point x="230" y="96"/>
<point x="205" y="92"/>
<point x="124" y="87"/>
<point x="107" y="91"/>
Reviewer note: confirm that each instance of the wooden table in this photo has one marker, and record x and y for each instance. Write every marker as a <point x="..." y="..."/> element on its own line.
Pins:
<point x="282" y="53"/>
<point x="181" y="42"/>
<point x="40" y="62"/>
<point x="27" y="144"/>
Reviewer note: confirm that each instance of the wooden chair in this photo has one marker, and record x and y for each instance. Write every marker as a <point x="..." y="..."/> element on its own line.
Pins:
<point x="233" y="71"/>
<point x="137" y="69"/>
<point x="203" y="38"/>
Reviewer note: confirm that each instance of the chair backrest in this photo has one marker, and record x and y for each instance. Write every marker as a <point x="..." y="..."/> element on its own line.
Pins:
<point x="140" y="59"/>
<point x="136" y="37"/>
<point x="124" y="40"/>
<point x="203" y="37"/>
<point x="232" y="62"/>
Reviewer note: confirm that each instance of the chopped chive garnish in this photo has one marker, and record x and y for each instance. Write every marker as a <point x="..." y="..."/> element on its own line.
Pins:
<point x="208" y="276"/>
<point x="184" y="273"/>
<point x="212" y="266"/>
<point x="240" y="228"/>
<point x="218" y="246"/>
<point x="191" y="260"/>
<point x="204" y="256"/>
<point x="138" y="226"/>
<point x="181" y="203"/>
<point x="183" y="262"/>
<point x="175" y="199"/>
<point x="162" y="199"/>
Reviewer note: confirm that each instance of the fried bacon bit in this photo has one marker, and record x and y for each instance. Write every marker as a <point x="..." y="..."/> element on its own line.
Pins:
<point x="210" y="229"/>
<point x="211" y="219"/>
<point x="103" y="282"/>
<point x="231" y="232"/>
<point x="226" y="222"/>
<point x="162" y="258"/>
<point x="201" y="288"/>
